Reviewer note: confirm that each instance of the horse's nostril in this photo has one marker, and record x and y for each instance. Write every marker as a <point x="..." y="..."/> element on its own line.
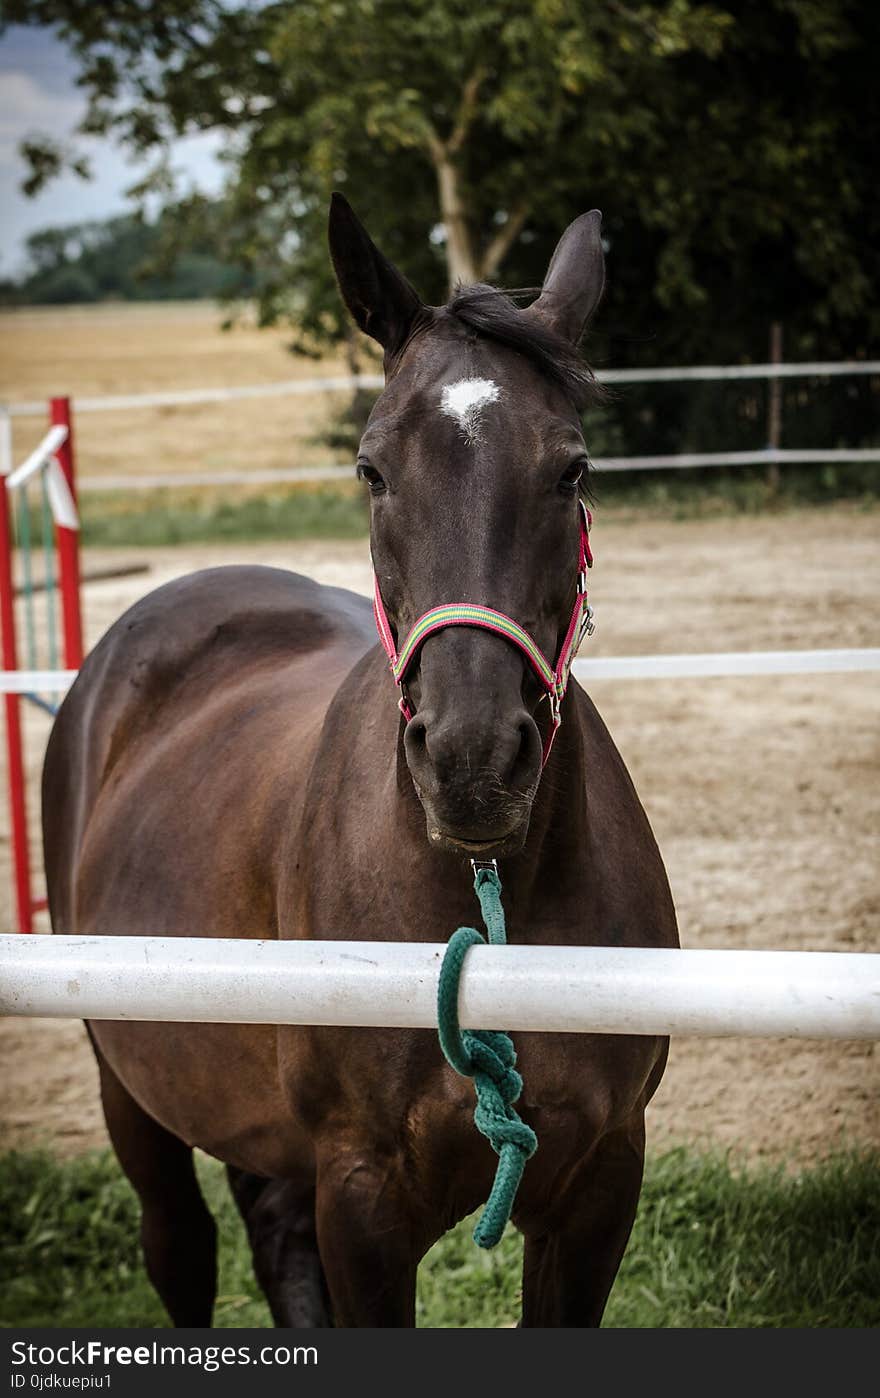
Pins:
<point x="463" y="754"/>
<point x="415" y="742"/>
<point x="522" y="773"/>
<point x="416" y="733"/>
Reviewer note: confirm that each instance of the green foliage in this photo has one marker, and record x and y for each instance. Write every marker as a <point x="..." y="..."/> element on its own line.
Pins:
<point x="125" y="258"/>
<point x="732" y="416"/>
<point x="731" y="144"/>
<point x="713" y="1245"/>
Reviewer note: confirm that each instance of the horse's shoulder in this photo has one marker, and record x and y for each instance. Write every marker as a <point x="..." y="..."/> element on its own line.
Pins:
<point x="248" y="611"/>
<point x="209" y="632"/>
<point x="239" y="594"/>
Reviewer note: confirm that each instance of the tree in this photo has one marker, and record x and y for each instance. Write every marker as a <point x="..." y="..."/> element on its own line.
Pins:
<point x="731" y="145"/>
<point x="123" y="258"/>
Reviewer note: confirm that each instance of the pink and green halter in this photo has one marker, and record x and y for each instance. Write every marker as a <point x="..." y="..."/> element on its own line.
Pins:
<point x="553" y="678"/>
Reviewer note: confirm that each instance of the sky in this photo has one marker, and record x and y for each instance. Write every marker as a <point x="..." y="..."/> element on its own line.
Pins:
<point x="38" y="95"/>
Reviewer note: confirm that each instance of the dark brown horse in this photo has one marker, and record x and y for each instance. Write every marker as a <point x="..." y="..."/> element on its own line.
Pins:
<point x="231" y="763"/>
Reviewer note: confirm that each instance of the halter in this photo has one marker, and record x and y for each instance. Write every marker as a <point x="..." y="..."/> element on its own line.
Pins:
<point x="552" y="678"/>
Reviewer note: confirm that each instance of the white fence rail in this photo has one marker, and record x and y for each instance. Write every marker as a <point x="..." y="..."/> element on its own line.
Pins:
<point x="182" y="398"/>
<point x="720" y="664"/>
<point x="179" y="480"/>
<point x="718" y="372"/>
<point x="596" y="990"/>
<point x="710" y="665"/>
<point x="188" y="397"/>
<point x="767" y="456"/>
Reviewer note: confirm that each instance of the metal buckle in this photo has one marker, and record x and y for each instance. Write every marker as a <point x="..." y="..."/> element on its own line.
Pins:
<point x="478" y="864"/>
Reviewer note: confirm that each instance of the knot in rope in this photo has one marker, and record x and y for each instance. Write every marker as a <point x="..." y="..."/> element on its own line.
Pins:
<point x="487" y="1056"/>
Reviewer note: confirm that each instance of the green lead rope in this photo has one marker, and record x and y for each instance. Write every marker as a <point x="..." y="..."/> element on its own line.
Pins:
<point x="487" y="1056"/>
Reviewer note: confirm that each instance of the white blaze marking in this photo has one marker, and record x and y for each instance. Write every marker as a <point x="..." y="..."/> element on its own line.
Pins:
<point x="464" y="401"/>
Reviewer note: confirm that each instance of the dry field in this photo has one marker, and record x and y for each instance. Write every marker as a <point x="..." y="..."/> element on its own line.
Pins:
<point x="763" y="793"/>
<point x="150" y="348"/>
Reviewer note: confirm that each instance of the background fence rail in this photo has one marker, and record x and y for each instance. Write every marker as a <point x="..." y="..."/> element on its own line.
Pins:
<point x="111" y="403"/>
<point x="307" y="474"/>
<point x="771" y="456"/>
<point x="706" y="665"/>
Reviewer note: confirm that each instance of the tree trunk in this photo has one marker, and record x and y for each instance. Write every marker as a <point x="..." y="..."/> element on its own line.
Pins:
<point x="460" y="260"/>
<point x="499" y="246"/>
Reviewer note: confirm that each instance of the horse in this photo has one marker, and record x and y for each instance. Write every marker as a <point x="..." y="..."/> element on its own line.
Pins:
<point x="231" y="762"/>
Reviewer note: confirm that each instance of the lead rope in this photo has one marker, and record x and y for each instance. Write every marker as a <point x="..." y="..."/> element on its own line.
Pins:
<point x="487" y="1056"/>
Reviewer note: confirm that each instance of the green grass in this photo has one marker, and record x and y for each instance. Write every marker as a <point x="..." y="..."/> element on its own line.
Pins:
<point x="713" y="1245"/>
<point x="207" y="516"/>
<point x="340" y="511"/>
<point x="712" y="491"/>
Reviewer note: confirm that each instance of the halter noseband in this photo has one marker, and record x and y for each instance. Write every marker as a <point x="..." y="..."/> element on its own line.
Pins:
<point x="552" y="678"/>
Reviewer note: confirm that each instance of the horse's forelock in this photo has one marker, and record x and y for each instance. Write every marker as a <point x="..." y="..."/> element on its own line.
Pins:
<point x="494" y="314"/>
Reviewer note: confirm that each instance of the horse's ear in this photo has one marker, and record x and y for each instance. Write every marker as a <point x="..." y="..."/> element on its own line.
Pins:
<point x="380" y="299"/>
<point x="575" y="278"/>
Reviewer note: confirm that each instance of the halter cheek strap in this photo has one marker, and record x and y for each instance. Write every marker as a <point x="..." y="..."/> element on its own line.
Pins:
<point x="552" y="678"/>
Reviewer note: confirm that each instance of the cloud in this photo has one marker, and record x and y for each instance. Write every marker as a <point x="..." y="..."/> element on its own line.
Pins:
<point x="26" y="109"/>
<point x="29" y="108"/>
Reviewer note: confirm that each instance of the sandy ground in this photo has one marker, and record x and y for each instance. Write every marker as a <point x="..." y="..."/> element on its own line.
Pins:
<point x="763" y="794"/>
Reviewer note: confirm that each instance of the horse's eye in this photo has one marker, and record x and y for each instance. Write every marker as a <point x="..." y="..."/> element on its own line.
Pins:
<point x="374" y="480"/>
<point x="571" y="477"/>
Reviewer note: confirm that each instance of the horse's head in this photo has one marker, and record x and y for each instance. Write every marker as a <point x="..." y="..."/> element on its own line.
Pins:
<point x="473" y="455"/>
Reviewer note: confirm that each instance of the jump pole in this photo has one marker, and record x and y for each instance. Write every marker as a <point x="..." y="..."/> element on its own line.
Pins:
<point x="67" y="543"/>
<point x="63" y="497"/>
<point x="11" y="701"/>
<point x="599" y="990"/>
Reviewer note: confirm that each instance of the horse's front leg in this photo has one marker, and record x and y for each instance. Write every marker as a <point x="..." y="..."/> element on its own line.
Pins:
<point x="570" y="1265"/>
<point x="369" y="1241"/>
<point x="280" y="1219"/>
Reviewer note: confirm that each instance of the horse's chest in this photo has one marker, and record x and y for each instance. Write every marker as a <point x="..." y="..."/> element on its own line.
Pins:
<point x="391" y="1092"/>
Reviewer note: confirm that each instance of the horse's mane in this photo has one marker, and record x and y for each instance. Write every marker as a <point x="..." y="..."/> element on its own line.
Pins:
<point x="493" y="313"/>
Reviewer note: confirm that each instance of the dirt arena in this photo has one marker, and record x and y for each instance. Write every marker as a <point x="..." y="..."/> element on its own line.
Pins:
<point x="763" y="794"/>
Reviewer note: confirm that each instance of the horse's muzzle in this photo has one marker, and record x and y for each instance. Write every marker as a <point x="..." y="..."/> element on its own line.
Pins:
<point x="476" y="784"/>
